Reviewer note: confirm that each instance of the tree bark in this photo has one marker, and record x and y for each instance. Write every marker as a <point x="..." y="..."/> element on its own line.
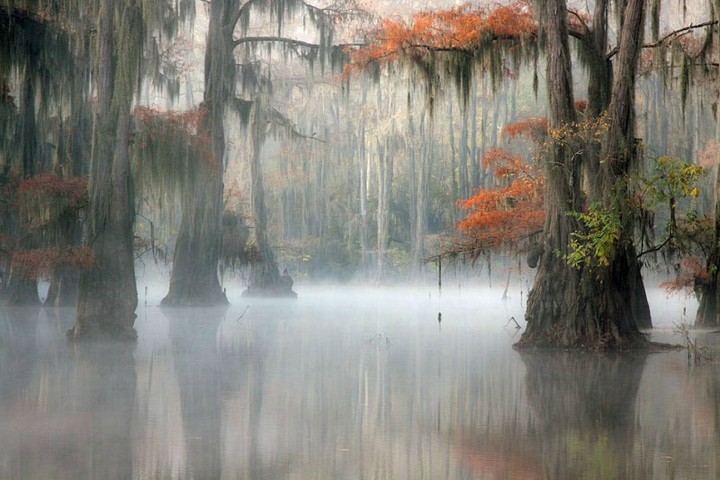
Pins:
<point x="708" y="313"/>
<point x="107" y="293"/>
<point x="194" y="279"/>
<point x="384" y="184"/>
<point x="591" y="307"/>
<point x="265" y="278"/>
<point x="63" y="289"/>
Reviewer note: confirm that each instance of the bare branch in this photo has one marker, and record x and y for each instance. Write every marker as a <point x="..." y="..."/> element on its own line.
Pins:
<point x="665" y="38"/>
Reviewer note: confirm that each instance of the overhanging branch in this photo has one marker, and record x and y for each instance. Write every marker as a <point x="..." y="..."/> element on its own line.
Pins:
<point x="665" y="38"/>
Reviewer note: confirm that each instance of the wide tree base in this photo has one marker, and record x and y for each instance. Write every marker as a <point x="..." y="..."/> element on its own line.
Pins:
<point x="590" y="309"/>
<point x="269" y="291"/>
<point x="176" y="298"/>
<point x="563" y="338"/>
<point x="20" y="293"/>
<point x="101" y="331"/>
<point x="266" y="281"/>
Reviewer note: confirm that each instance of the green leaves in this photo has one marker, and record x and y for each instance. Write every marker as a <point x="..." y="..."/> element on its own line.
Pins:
<point x="592" y="245"/>
<point x="672" y="179"/>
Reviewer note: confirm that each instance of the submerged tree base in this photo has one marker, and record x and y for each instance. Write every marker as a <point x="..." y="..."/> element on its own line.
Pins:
<point x="101" y="331"/>
<point x="20" y="293"/>
<point x="274" y="291"/>
<point x="266" y="281"/>
<point x="561" y="337"/>
<point x="195" y="298"/>
<point x="587" y="309"/>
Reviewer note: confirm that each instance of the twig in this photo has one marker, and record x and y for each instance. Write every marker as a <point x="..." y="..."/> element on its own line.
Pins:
<point x="512" y="319"/>
<point x="243" y="313"/>
<point x="655" y="248"/>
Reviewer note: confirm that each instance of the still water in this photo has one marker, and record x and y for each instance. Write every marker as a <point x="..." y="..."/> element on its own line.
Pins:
<point x="345" y="384"/>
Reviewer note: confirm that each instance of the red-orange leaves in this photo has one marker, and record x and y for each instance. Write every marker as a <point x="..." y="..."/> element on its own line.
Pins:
<point x="173" y="136"/>
<point x="41" y="262"/>
<point x="531" y="129"/>
<point x="187" y="122"/>
<point x="504" y="216"/>
<point x="691" y="272"/>
<point x="72" y="190"/>
<point x="464" y="28"/>
<point x="43" y="199"/>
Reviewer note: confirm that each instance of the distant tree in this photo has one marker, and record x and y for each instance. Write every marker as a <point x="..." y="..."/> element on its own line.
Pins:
<point x="108" y="293"/>
<point x="43" y="128"/>
<point x="194" y="278"/>
<point x="49" y="207"/>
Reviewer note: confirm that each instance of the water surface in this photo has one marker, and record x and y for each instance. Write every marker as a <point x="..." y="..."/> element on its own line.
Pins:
<point x="349" y="383"/>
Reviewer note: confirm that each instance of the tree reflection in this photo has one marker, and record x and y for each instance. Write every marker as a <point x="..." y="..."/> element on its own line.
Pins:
<point x="193" y="333"/>
<point x="69" y="413"/>
<point x="103" y="392"/>
<point x="251" y="434"/>
<point x="584" y="411"/>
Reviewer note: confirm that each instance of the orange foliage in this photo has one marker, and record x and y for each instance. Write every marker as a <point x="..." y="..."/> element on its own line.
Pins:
<point x="188" y="122"/>
<point x="506" y="215"/>
<point x="691" y="271"/>
<point x="52" y="188"/>
<point x="42" y="262"/>
<point x="463" y="28"/>
<point x="172" y="125"/>
<point x="532" y="128"/>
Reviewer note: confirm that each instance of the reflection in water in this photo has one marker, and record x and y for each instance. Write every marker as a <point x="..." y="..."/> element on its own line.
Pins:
<point x="344" y="384"/>
<point x="193" y="334"/>
<point x="68" y="410"/>
<point x="584" y="405"/>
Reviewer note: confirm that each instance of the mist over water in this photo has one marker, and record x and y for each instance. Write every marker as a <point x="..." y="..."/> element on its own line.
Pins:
<point x="348" y="382"/>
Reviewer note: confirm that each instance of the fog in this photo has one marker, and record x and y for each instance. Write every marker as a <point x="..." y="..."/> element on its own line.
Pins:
<point x="348" y="383"/>
<point x="267" y="136"/>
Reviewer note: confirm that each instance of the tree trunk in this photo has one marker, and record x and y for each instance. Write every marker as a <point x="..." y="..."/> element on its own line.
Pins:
<point x="265" y="278"/>
<point x="600" y="84"/>
<point x="194" y="279"/>
<point x="108" y="294"/>
<point x="464" y="188"/>
<point x="707" y="314"/>
<point x="63" y="291"/>
<point x="384" y="185"/>
<point x="474" y="163"/>
<point x="453" y="160"/>
<point x="421" y="194"/>
<point x="363" y="201"/>
<point x="22" y="291"/>
<point x="621" y="156"/>
<point x="589" y="307"/>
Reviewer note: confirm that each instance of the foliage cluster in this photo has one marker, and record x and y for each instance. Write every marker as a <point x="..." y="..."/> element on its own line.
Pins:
<point x="672" y="179"/>
<point x="172" y="134"/>
<point x="47" y="188"/>
<point x="503" y="217"/>
<point x="593" y="244"/>
<point x="471" y="34"/>
<point x="42" y="262"/>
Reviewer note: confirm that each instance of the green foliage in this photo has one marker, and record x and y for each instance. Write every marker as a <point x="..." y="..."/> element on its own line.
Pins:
<point x="593" y="245"/>
<point x="600" y="226"/>
<point x="673" y="179"/>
